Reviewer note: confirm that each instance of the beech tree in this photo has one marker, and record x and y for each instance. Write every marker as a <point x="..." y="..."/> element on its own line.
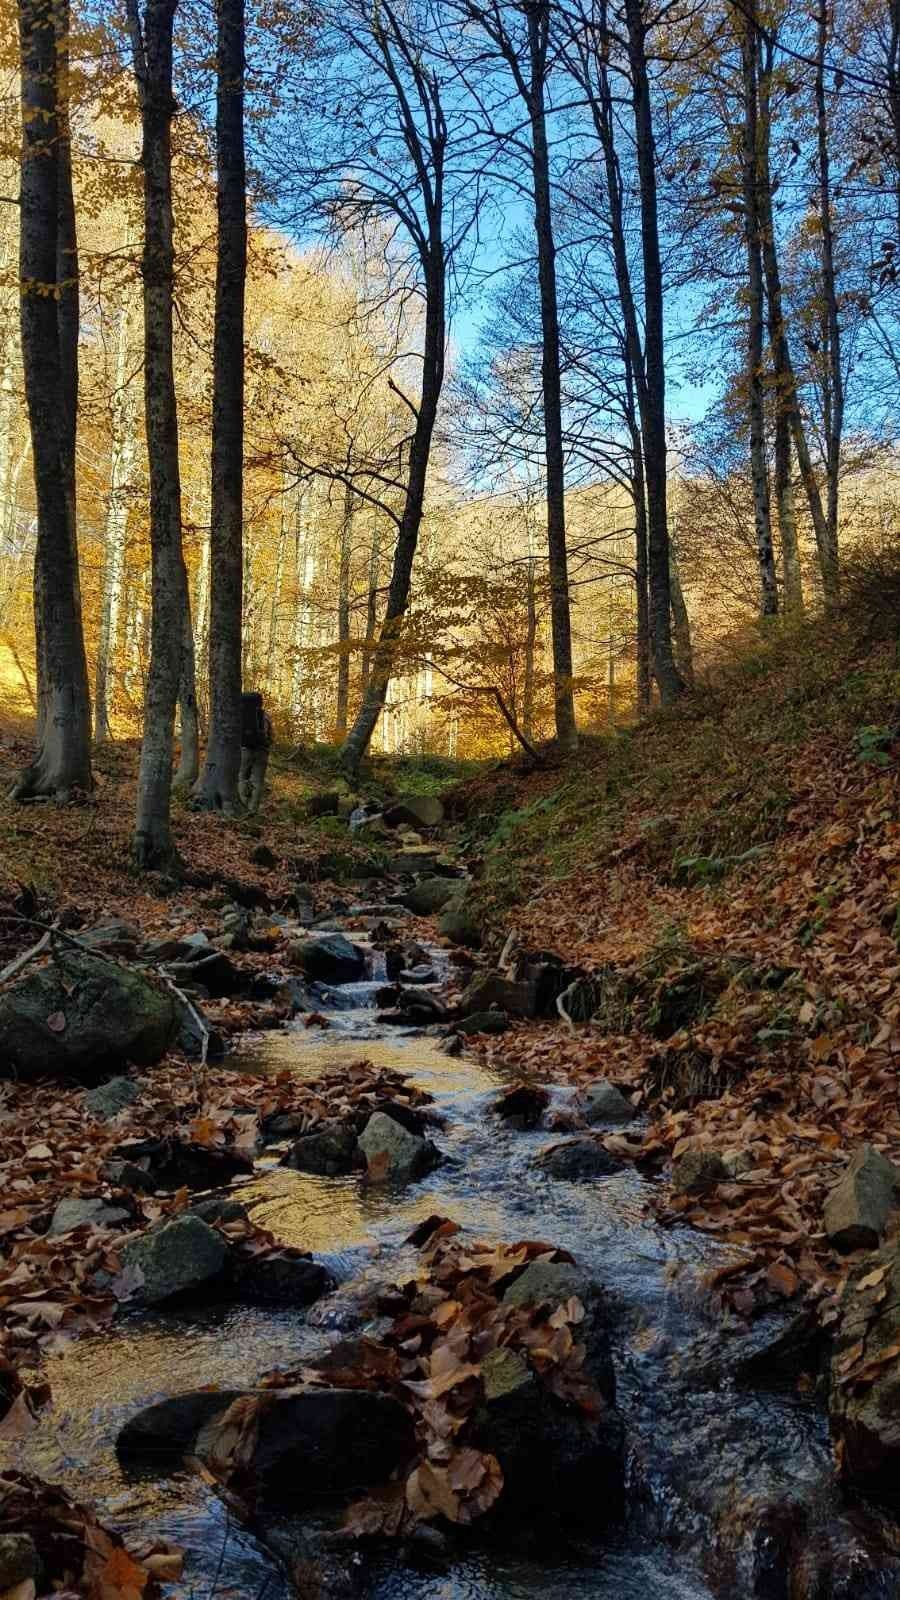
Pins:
<point x="151" y="42"/>
<point x="48" y="270"/>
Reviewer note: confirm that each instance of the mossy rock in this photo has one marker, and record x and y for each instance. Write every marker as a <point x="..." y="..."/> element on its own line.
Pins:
<point x="80" y="1015"/>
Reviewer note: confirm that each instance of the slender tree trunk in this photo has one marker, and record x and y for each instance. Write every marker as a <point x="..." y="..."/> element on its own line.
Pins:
<point x="832" y="370"/>
<point x="49" y="311"/>
<point x="530" y="643"/>
<point x="560" y="613"/>
<point x="792" y="579"/>
<point x="892" y="58"/>
<point x="681" y="622"/>
<point x="785" y="379"/>
<point x="152" y="46"/>
<point x="746" y="24"/>
<point x="382" y="660"/>
<point x="121" y="479"/>
<point x="639" y="500"/>
<point x="652" y="392"/>
<point x="218" y="786"/>
<point x="343" y="639"/>
<point x="188" y="715"/>
<point x="371" y="608"/>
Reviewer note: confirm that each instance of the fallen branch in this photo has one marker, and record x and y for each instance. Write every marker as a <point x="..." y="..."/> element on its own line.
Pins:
<point x="17" y="965"/>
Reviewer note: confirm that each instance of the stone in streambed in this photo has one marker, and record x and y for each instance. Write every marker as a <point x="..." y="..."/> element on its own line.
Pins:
<point x="167" y="1431"/>
<point x="578" y="1160"/>
<point x="603" y="1102"/>
<point x="523" y="1105"/>
<point x="857" y="1208"/>
<point x="490" y="989"/>
<point x="330" y="958"/>
<point x="483" y="1022"/>
<point x="97" y="1213"/>
<point x="696" y="1171"/>
<point x="280" y="1278"/>
<point x="81" y="1015"/>
<point x="181" y="1259"/>
<point x="393" y="1153"/>
<point x="416" y="811"/>
<point x="865" y="1377"/>
<point x="328" y="1151"/>
<point x="215" y="973"/>
<point x="429" y="896"/>
<point x="459" y="925"/>
<point x="109" y="1099"/>
<point x="181" y="1163"/>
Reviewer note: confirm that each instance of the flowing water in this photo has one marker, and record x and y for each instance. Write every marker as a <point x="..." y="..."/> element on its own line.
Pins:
<point x="687" y="1446"/>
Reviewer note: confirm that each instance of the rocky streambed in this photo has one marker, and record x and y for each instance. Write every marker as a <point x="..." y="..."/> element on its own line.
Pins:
<point x="725" y="1483"/>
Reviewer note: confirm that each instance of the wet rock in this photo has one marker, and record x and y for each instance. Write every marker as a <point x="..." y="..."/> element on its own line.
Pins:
<point x="603" y="1102"/>
<point x="428" y="896"/>
<point x="215" y="972"/>
<point x="192" y="1030"/>
<point x="490" y="989"/>
<point x="167" y="1431"/>
<point x="330" y="958"/>
<point x="415" y="810"/>
<point x="416" y="975"/>
<point x="18" y="1560"/>
<point x="549" y="1283"/>
<point x="127" y="1175"/>
<point x="697" y="1170"/>
<point x="421" y="1000"/>
<point x="523" y="1105"/>
<point x="174" y="1262"/>
<point x="219" y="1208"/>
<point x="393" y="1153"/>
<point x="280" y="1278"/>
<point x="578" y="1160"/>
<point x="459" y="925"/>
<point x="102" y="1016"/>
<point x="394" y="962"/>
<point x="483" y="1022"/>
<point x="108" y="1099"/>
<point x="179" y="1163"/>
<point x="316" y="1444"/>
<point x="78" y="1213"/>
<point x="857" y="1208"/>
<point x="329" y="1151"/>
<point x="865" y="1377"/>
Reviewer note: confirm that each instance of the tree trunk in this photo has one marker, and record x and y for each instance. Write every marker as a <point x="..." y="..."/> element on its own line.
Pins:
<point x="152" y="46"/>
<point x="382" y="661"/>
<point x="681" y="622"/>
<point x="652" y="391"/>
<point x="49" y="311"/>
<point x="343" y="639"/>
<point x="371" y="608"/>
<point x="785" y="379"/>
<point x="560" y="615"/>
<point x="121" y="478"/>
<point x="218" y="786"/>
<point x="639" y="500"/>
<point x="746" y="24"/>
<point x="792" y="579"/>
<point x="188" y="716"/>
<point x="832" y="371"/>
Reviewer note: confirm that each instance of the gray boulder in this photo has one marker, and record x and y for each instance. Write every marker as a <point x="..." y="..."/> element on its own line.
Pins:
<point x="578" y="1160"/>
<point x="603" y="1102"/>
<point x="108" y="1099"/>
<point x="393" y="1153"/>
<point x="81" y="1015"/>
<point x="281" y="1278"/>
<point x="490" y="989"/>
<point x="330" y="958"/>
<point x="178" y="1260"/>
<point x="483" y="1022"/>
<point x="415" y="811"/>
<point x="220" y="1208"/>
<point x="328" y="1151"/>
<point x="459" y="925"/>
<point x="310" y="1445"/>
<point x="94" y="1213"/>
<point x="114" y="938"/>
<point x="857" y="1208"/>
<point x="865" y="1376"/>
<point x="429" y="895"/>
<point x="698" y="1170"/>
<point x="214" y="971"/>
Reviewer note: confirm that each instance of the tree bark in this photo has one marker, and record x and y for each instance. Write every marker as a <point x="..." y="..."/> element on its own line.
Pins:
<point x="746" y="25"/>
<point x="188" y="715"/>
<point x="652" y="391"/>
<point x="791" y="576"/>
<point x="343" y="638"/>
<point x="538" y="14"/>
<point x="48" y="265"/>
<point x="371" y="608"/>
<point x="681" y="622"/>
<point x="832" y="370"/>
<point x="121" y="478"/>
<point x="218" y="786"/>
<point x="152" y="48"/>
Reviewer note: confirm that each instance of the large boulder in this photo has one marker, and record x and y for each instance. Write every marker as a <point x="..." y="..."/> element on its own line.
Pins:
<point x="89" y="1213"/>
<point x="183" y="1164"/>
<point x="213" y="971"/>
<point x="578" y="1160"/>
<point x="330" y="958"/>
<point x="81" y="1015"/>
<point x="458" y="923"/>
<point x="603" y="1102"/>
<point x="305" y="1446"/>
<point x="696" y="1171"/>
<point x="280" y="1278"/>
<point x="415" y="811"/>
<point x="857" y="1208"/>
<point x="483" y="1022"/>
<point x="393" y="1153"/>
<point x="180" y="1260"/>
<point x="429" y="896"/>
<point x="328" y="1151"/>
<point x="865" y="1377"/>
<point x="488" y="990"/>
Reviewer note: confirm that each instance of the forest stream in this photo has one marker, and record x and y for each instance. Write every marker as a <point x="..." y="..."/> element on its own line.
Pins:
<point x="722" y="1480"/>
